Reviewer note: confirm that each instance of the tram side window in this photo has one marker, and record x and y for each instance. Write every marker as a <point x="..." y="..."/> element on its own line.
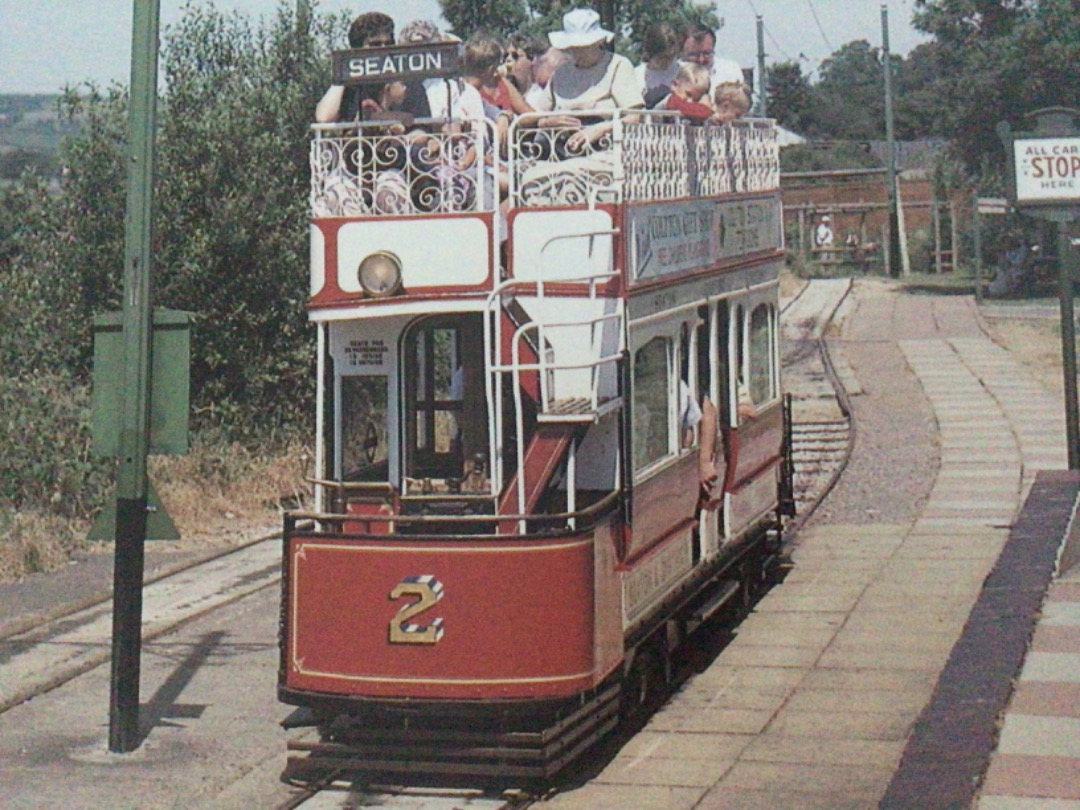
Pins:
<point x="762" y="380"/>
<point x="652" y="423"/>
<point x="364" y="446"/>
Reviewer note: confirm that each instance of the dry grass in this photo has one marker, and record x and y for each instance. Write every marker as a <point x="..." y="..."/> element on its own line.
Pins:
<point x="1036" y="343"/>
<point x="35" y="542"/>
<point x="217" y="497"/>
<point x="222" y="495"/>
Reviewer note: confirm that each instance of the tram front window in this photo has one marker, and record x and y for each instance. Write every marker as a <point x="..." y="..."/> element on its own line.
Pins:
<point x="363" y="428"/>
<point x="446" y="414"/>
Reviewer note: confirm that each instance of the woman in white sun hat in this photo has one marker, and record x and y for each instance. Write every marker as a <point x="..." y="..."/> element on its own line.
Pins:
<point x="592" y="79"/>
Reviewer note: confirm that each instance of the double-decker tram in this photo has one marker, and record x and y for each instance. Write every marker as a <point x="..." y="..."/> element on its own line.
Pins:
<point x="527" y="360"/>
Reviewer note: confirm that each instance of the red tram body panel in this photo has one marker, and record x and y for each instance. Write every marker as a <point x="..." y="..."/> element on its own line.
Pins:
<point x="513" y="526"/>
<point x="492" y="640"/>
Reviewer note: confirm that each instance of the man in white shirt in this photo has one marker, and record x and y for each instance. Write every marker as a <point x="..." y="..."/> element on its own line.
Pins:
<point x="700" y="47"/>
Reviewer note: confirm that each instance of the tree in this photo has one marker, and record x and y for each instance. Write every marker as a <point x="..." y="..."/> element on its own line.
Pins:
<point x="231" y="242"/>
<point x="789" y="96"/>
<point x="499" y="17"/>
<point x="849" y="99"/>
<point x="633" y="17"/>
<point x="962" y="23"/>
<point x="920" y="109"/>
<point x="999" y="60"/>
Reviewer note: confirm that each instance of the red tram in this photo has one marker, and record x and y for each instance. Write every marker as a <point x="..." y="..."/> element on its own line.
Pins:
<point x="509" y="538"/>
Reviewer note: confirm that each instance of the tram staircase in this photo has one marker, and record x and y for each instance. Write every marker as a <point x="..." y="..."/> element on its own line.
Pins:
<point x="563" y="353"/>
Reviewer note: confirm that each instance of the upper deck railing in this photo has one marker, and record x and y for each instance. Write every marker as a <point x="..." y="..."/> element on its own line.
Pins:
<point x="366" y="170"/>
<point x="363" y="170"/>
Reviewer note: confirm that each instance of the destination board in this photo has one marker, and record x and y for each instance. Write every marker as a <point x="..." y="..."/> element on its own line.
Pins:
<point x="404" y="63"/>
<point x="670" y="238"/>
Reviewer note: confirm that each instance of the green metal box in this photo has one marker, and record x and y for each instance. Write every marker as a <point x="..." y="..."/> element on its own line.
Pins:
<point x="170" y="376"/>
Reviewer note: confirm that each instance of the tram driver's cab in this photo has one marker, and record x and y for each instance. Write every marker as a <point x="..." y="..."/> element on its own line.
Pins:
<point x="445" y="435"/>
<point x="409" y="416"/>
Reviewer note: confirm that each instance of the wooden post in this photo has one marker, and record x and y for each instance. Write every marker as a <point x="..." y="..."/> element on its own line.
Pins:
<point x="888" y="254"/>
<point x="1068" y="343"/>
<point x="976" y="222"/>
<point x="954" y="235"/>
<point x="802" y="235"/>
<point x="936" y="208"/>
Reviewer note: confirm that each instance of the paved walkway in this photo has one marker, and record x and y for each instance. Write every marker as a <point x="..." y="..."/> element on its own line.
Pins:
<point x="1037" y="762"/>
<point x="813" y="703"/>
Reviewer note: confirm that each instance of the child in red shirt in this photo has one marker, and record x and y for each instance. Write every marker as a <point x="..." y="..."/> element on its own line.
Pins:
<point x="688" y="89"/>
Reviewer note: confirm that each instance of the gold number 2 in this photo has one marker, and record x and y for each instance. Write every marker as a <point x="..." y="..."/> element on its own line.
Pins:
<point x="427" y="590"/>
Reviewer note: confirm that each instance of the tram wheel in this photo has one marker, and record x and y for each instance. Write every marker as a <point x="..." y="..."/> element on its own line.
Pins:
<point x="643" y="684"/>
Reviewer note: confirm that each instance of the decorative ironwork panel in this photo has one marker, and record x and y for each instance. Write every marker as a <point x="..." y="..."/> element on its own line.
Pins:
<point x="649" y="157"/>
<point x="362" y="170"/>
<point x="550" y="167"/>
<point x="660" y="160"/>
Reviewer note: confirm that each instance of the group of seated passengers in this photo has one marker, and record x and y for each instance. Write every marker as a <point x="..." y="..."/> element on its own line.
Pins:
<point x="576" y="76"/>
<point x="698" y="86"/>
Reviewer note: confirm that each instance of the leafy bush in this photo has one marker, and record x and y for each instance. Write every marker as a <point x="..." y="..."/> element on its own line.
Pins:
<point x="46" y="447"/>
<point x="230" y="246"/>
<point x="230" y="218"/>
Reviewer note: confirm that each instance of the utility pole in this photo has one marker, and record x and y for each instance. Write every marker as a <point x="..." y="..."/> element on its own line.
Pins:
<point x="132" y="484"/>
<point x="890" y="141"/>
<point x="762" y="108"/>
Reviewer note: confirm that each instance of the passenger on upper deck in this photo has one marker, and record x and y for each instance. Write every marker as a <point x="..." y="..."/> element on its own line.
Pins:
<point x="594" y="79"/>
<point x="690" y="86"/>
<point x="531" y="67"/>
<point x="661" y="46"/>
<point x="445" y="98"/>
<point x="569" y="154"/>
<point x="370" y="30"/>
<point x="731" y="101"/>
<point x="485" y="68"/>
<point x="395" y="102"/>
<point x="700" y="47"/>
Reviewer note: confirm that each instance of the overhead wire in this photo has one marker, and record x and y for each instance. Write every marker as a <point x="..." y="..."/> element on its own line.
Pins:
<point x="768" y="32"/>
<point x="813" y="11"/>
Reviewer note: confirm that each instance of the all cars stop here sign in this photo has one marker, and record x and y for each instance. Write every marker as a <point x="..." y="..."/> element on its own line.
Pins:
<point x="1047" y="170"/>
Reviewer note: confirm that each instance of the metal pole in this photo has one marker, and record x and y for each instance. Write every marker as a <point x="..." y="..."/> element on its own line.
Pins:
<point x="762" y="107"/>
<point x="976" y="221"/>
<point x="131" y="483"/>
<point x="890" y="140"/>
<point x="1068" y="343"/>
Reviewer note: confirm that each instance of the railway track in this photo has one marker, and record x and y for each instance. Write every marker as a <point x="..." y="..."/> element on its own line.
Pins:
<point x="823" y="430"/>
<point x="338" y="794"/>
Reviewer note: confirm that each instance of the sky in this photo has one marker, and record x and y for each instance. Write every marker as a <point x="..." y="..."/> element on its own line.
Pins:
<point x="47" y="44"/>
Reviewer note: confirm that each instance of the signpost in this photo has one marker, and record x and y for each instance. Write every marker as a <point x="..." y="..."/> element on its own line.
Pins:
<point x="1044" y="182"/>
<point x="984" y="206"/>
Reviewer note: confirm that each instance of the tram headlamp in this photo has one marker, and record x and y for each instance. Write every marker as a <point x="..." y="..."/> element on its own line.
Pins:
<point x="380" y="274"/>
